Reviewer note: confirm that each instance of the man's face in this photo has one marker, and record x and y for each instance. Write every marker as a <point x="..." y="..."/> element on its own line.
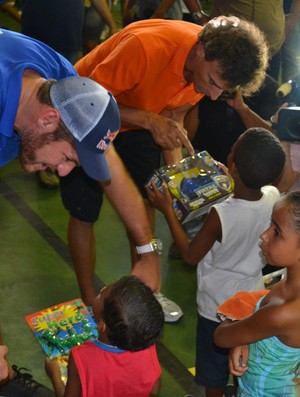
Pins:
<point x="58" y="155"/>
<point x="206" y="76"/>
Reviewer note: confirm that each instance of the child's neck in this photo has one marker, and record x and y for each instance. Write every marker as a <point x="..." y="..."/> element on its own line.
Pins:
<point x="104" y="339"/>
<point x="244" y="193"/>
<point x="292" y="281"/>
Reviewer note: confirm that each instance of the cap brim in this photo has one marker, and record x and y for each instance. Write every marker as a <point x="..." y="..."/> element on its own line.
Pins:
<point x="94" y="164"/>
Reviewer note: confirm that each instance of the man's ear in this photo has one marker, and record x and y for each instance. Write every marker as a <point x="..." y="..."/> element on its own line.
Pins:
<point x="200" y="50"/>
<point x="49" y="119"/>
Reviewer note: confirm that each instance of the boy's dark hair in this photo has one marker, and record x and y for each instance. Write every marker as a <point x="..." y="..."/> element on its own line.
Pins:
<point x="241" y="50"/>
<point x="259" y="158"/>
<point x="133" y="316"/>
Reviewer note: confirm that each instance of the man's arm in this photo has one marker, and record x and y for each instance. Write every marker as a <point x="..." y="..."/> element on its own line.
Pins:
<point x="292" y="18"/>
<point x="194" y="7"/>
<point x="162" y="9"/>
<point x="103" y="10"/>
<point x="129" y="204"/>
<point x="249" y="118"/>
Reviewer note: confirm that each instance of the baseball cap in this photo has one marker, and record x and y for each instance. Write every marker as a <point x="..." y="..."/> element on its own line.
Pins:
<point x="91" y="115"/>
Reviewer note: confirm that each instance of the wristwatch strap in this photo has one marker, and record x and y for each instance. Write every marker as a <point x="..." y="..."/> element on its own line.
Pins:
<point x="143" y="249"/>
<point x="155" y="245"/>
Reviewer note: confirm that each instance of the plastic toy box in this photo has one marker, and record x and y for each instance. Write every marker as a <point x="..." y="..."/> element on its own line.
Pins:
<point x="195" y="184"/>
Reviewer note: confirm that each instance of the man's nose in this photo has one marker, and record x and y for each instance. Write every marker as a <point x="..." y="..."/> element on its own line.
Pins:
<point x="215" y="92"/>
<point x="64" y="169"/>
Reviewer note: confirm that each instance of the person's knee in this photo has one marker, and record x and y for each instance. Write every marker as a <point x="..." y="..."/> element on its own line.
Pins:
<point x="79" y="224"/>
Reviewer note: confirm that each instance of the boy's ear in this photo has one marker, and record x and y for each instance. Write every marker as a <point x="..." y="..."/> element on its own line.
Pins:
<point x="232" y="168"/>
<point x="49" y="119"/>
<point x="101" y="325"/>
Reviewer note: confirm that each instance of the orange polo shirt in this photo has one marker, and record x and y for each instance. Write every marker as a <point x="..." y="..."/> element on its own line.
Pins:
<point x="142" y="65"/>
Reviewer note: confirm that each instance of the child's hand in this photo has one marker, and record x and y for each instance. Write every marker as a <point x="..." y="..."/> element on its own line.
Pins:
<point x="3" y="363"/>
<point x="52" y="368"/>
<point x="222" y="167"/>
<point x="238" y="357"/>
<point x="161" y="201"/>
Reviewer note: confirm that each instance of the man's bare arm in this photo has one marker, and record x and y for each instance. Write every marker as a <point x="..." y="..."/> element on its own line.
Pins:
<point x="129" y="204"/>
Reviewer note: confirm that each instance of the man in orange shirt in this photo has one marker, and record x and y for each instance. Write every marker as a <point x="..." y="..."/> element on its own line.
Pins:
<point x="156" y="70"/>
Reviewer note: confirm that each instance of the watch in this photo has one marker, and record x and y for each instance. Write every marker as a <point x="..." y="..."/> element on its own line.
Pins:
<point x="273" y="124"/>
<point x="155" y="245"/>
<point x="197" y="16"/>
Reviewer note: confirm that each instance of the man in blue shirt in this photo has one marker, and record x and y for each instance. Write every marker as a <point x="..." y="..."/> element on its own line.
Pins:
<point x="24" y="66"/>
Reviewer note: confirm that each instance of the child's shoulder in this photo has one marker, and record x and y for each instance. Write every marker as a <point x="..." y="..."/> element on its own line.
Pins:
<point x="270" y="191"/>
<point x="267" y="193"/>
<point x="287" y="306"/>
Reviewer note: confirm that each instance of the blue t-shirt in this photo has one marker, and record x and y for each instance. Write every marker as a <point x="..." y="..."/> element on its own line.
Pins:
<point x="19" y="53"/>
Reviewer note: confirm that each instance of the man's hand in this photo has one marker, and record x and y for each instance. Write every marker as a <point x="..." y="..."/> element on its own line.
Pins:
<point x="166" y="128"/>
<point x="169" y="134"/>
<point x="238" y="357"/>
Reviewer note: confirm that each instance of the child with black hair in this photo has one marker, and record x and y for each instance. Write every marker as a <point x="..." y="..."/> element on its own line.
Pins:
<point x="123" y="361"/>
<point x="272" y="329"/>
<point x="226" y="247"/>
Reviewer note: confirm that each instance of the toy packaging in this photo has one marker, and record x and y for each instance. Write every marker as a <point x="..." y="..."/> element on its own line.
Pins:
<point x="59" y="328"/>
<point x="195" y="183"/>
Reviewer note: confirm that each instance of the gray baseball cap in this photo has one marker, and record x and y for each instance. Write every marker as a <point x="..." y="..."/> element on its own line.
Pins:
<point x="91" y="115"/>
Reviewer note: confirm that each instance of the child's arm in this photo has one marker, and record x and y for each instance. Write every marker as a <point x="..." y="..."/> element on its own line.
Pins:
<point x="191" y="251"/>
<point x="274" y="319"/>
<point x="53" y="371"/>
<point x="73" y="386"/>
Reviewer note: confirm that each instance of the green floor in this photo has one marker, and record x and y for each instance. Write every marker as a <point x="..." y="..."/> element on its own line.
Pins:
<point x="36" y="272"/>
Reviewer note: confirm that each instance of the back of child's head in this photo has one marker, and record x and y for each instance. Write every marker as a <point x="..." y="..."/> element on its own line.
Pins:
<point x="133" y="317"/>
<point x="259" y="158"/>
